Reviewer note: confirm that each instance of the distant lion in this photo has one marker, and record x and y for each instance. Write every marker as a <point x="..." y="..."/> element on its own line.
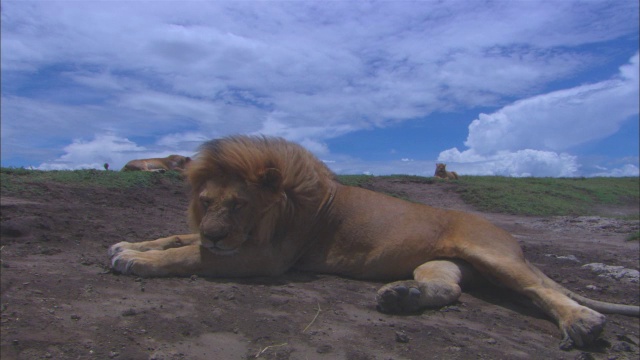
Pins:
<point x="261" y="206"/>
<point x="441" y="172"/>
<point x="171" y="162"/>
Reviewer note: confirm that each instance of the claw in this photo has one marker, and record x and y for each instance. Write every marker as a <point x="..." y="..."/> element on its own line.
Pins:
<point x="583" y="330"/>
<point x="116" y="249"/>
<point x="399" y="298"/>
<point x="120" y="264"/>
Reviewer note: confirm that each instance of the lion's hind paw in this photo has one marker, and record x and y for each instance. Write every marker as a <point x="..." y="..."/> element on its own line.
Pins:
<point x="399" y="297"/>
<point x="583" y="330"/>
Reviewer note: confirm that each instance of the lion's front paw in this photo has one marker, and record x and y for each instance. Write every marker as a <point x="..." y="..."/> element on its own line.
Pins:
<point x="123" y="260"/>
<point x="584" y="327"/>
<point x="118" y="248"/>
<point x="141" y="263"/>
<point x="399" y="297"/>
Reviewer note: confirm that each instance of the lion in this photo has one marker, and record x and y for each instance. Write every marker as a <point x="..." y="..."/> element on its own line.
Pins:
<point x="171" y="162"/>
<point x="260" y="206"/>
<point x="442" y="173"/>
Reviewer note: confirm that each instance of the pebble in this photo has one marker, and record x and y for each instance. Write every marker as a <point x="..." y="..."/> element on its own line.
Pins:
<point x="323" y="349"/>
<point x="622" y="347"/>
<point x="129" y="312"/>
<point x="401" y="337"/>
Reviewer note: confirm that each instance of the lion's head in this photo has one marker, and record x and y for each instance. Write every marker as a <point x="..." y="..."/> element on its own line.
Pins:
<point x="441" y="169"/>
<point x="246" y="189"/>
<point x="177" y="161"/>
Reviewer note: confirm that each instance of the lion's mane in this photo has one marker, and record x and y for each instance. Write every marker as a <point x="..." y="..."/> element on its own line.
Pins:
<point x="303" y="185"/>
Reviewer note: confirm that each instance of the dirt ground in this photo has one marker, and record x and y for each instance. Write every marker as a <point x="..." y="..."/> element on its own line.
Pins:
<point x="61" y="301"/>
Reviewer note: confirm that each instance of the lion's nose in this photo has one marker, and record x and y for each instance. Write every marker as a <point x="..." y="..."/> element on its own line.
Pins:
<point x="215" y="235"/>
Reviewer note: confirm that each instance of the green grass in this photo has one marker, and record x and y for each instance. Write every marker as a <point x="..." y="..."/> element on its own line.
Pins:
<point x="520" y="196"/>
<point x="413" y="179"/>
<point x="354" y="180"/>
<point x="530" y="196"/>
<point x="18" y="179"/>
<point x="634" y="236"/>
<point x="359" y="180"/>
<point x="547" y="196"/>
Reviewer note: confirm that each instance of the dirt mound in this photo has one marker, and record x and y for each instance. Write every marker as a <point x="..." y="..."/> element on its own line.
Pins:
<point x="60" y="301"/>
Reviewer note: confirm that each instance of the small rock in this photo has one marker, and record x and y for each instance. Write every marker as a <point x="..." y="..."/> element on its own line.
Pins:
<point x="630" y="338"/>
<point x="614" y="272"/>
<point x="158" y="355"/>
<point x="561" y="257"/>
<point x="491" y="341"/>
<point x="129" y="312"/>
<point x="323" y="349"/>
<point x="113" y="354"/>
<point x="450" y="308"/>
<point x="75" y="317"/>
<point x="584" y="356"/>
<point x="592" y="287"/>
<point x="401" y="337"/>
<point x="621" y="347"/>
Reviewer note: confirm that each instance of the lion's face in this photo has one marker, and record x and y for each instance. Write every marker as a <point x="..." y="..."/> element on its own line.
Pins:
<point x="227" y="217"/>
<point x="228" y="212"/>
<point x="441" y="168"/>
<point x="178" y="161"/>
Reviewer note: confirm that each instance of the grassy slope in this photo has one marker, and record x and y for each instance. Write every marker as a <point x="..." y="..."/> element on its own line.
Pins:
<point x="522" y="196"/>
<point x="534" y="196"/>
<point x="16" y="180"/>
<point x="548" y="196"/>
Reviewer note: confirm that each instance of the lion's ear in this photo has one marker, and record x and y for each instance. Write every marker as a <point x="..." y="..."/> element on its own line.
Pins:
<point x="271" y="179"/>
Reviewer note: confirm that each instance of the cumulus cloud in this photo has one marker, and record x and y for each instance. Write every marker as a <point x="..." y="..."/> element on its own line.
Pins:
<point x="531" y="136"/>
<point x="518" y="163"/>
<point x="105" y="148"/>
<point x="625" y="170"/>
<point x="216" y="68"/>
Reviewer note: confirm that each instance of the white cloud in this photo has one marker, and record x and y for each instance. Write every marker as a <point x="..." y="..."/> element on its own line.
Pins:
<point x="562" y="119"/>
<point x="307" y="71"/>
<point x="341" y="164"/>
<point x="625" y="170"/>
<point x="182" y="141"/>
<point x="511" y="163"/>
<point x="316" y="147"/>
<point x="104" y="148"/>
<point x="530" y="136"/>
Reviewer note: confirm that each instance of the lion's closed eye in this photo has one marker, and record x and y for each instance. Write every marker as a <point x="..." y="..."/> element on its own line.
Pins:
<point x="238" y="204"/>
<point x="206" y="202"/>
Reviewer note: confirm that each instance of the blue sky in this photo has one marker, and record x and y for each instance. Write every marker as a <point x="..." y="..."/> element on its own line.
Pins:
<point x="514" y="88"/>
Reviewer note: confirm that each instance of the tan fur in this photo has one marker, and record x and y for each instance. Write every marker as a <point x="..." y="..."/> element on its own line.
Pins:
<point x="261" y="206"/>
<point x="442" y="173"/>
<point x="171" y="162"/>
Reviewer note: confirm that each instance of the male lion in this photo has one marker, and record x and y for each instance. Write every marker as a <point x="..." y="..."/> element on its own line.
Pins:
<point x="171" y="162"/>
<point x="442" y="173"/>
<point x="261" y="206"/>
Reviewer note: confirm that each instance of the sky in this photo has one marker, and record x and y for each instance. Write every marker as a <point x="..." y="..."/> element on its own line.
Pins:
<point x="509" y="88"/>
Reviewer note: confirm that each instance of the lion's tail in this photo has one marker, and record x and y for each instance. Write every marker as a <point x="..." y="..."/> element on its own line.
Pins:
<point x="605" y="307"/>
<point x="600" y="306"/>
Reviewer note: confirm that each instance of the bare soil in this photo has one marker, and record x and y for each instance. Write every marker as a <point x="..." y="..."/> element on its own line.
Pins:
<point x="61" y="301"/>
